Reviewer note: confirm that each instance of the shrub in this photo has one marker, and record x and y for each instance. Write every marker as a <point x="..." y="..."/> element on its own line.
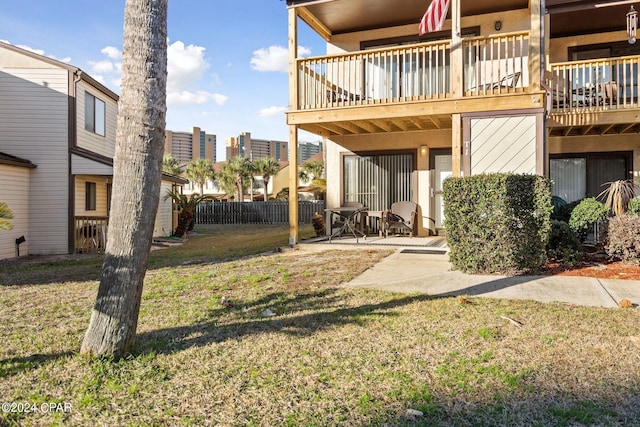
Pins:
<point x="624" y="238"/>
<point x="497" y="223"/>
<point x="563" y="244"/>
<point x="634" y="207"/>
<point x="587" y="213"/>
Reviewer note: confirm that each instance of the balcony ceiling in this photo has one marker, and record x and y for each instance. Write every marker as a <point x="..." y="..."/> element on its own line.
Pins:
<point x="568" y="17"/>
<point x="345" y="16"/>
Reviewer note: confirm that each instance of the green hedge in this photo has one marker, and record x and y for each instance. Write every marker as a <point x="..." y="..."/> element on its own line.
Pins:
<point x="497" y="223"/>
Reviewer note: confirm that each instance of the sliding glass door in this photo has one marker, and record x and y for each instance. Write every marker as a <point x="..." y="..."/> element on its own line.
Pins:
<point x="377" y="181"/>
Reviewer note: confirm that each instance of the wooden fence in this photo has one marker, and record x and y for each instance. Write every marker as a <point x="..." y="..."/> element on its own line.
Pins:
<point x="255" y="212"/>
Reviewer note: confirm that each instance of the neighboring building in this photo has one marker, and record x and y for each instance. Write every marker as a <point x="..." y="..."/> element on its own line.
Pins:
<point x="186" y="146"/>
<point x="245" y="146"/>
<point x="233" y="147"/>
<point x="306" y="150"/>
<point x="56" y="117"/>
<point x="524" y="86"/>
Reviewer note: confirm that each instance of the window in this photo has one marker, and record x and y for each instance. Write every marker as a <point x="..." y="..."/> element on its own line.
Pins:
<point x="90" y="194"/>
<point x="576" y="176"/>
<point x="94" y="114"/>
<point x="377" y="181"/>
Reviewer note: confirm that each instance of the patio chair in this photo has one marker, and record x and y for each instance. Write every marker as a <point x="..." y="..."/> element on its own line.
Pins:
<point x="402" y="216"/>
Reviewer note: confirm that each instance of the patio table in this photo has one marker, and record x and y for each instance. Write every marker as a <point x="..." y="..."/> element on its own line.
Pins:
<point x="347" y="216"/>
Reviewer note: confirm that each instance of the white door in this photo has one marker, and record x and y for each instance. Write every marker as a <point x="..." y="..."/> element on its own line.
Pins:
<point x="443" y="171"/>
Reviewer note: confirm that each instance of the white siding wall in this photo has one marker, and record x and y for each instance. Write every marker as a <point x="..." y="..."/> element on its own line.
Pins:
<point x="503" y="144"/>
<point x="14" y="191"/>
<point x="34" y="117"/>
<point x="104" y="145"/>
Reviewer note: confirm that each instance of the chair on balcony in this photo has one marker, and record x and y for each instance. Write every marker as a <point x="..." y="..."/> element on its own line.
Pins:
<point x="402" y="216"/>
<point x="341" y="95"/>
<point x="610" y="94"/>
<point x="510" y="81"/>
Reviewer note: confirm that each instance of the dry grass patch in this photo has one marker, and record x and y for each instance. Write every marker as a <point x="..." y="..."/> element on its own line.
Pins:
<point x="329" y="356"/>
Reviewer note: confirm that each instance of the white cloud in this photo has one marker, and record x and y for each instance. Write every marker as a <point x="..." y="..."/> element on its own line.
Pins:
<point x="186" y="66"/>
<point x="112" y="52"/>
<point x="183" y="98"/>
<point x="274" y="58"/>
<point x="272" y="111"/>
<point x="102" y="67"/>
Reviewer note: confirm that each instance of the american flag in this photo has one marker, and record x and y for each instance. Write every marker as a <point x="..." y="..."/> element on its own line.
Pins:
<point x="433" y="19"/>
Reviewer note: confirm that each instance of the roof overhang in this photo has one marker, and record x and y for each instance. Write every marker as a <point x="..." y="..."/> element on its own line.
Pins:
<point x="568" y="17"/>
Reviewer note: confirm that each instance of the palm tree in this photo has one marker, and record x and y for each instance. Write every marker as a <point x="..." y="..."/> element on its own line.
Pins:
<point x="267" y="167"/>
<point x="312" y="170"/>
<point x="235" y="171"/>
<point x="171" y="165"/>
<point x="186" y="206"/>
<point x="137" y="175"/>
<point x="199" y="171"/>
<point x="250" y="169"/>
<point x="5" y="215"/>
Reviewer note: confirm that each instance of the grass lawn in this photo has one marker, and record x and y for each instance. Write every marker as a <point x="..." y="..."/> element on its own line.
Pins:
<point x="330" y="355"/>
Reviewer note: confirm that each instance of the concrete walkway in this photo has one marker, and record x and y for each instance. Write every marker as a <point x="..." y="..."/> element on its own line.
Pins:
<point x="416" y="270"/>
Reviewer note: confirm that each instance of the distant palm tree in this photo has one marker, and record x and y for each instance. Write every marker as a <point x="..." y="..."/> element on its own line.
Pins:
<point x="235" y="171"/>
<point x="267" y="167"/>
<point x="186" y="205"/>
<point x="171" y="165"/>
<point x="199" y="171"/>
<point x="311" y="169"/>
<point x="5" y="215"/>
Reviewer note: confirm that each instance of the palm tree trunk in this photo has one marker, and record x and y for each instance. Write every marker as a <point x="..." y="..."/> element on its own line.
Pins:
<point x="136" y="180"/>
<point x="265" y="179"/>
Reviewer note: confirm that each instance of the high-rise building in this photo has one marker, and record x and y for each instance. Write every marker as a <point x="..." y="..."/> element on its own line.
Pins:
<point x="186" y="146"/>
<point x="245" y="146"/>
<point x="306" y="150"/>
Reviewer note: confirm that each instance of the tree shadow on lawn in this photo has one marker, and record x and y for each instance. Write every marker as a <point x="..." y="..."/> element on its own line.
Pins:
<point x="321" y="316"/>
<point x="15" y="365"/>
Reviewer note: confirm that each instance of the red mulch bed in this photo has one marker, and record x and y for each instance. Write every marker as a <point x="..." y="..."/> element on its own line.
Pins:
<point x="594" y="265"/>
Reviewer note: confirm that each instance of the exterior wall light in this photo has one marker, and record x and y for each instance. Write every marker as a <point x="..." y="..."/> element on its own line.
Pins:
<point x="423" y="150"/>
<point x="632" y="25"/>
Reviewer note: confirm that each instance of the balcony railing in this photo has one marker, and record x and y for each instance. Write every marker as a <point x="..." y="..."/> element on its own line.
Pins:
<point x="491" y="65"/>
<point x="598" y="84"/>
<point x="496" y="64"/>
<point x="90" y="234"/>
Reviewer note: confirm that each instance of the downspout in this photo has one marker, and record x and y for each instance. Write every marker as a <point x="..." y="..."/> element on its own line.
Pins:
<point x="73" y="138"/>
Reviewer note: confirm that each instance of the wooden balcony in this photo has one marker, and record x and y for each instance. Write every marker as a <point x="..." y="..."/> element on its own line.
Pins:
<point x="90" y="234"/>
<point x="595" y="97"/>
<point x="406" y="88"/>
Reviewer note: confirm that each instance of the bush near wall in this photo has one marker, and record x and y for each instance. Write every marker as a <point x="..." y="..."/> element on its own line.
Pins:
<point x="497" y="223"/>
<point x="624" y="238"/>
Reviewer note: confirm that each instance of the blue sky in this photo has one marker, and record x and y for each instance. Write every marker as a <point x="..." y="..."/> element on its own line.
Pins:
<point x="227" y="59"/>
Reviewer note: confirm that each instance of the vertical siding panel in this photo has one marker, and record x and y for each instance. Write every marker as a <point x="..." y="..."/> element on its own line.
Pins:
<point x="34" y="114"/>
<point x="15" y="184"/>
